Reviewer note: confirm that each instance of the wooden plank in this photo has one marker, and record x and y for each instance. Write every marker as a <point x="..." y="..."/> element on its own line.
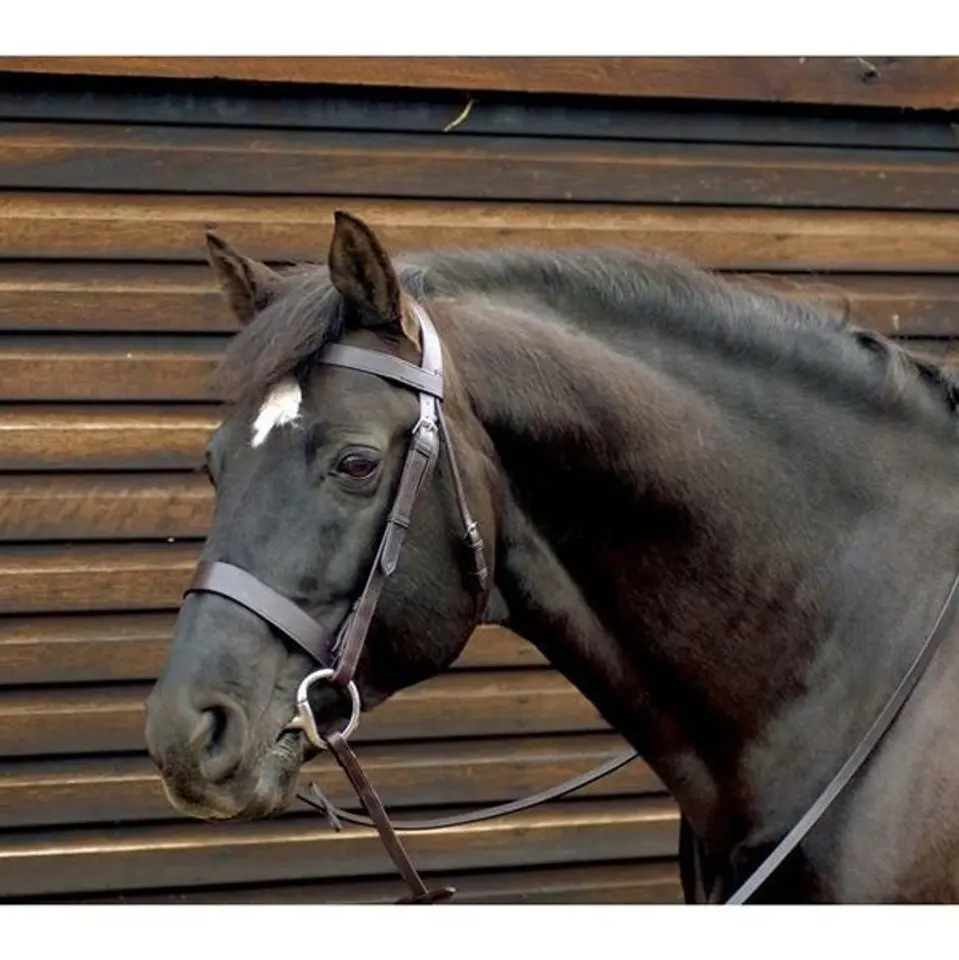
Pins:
<point x="183" y="855"/>
<point x="98" y="297"/>
<point x="189" y="160"/>
<point x="47" y="578"/>
<point x="456" y="704"/>
<point x="83" y="437"/>
<point x="132" y="646"/>
<point x="54" y="226"/>
<point x="180" y="298"/>
<point x="495" y="646"/>
<point x="646" y="882"/>
<point x="60" y="792"/>
<point x="917" y="82"/>
<point x="104" y="506"/>
<point x="423" y="111"/>
<point x="138" y="368"/>
<point x="893" y="305"/>
<point x="98" y="649"/>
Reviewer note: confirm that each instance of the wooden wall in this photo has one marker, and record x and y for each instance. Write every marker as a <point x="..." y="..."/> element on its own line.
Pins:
<point x="911" y="82"/>
<point x="109" y="327"/>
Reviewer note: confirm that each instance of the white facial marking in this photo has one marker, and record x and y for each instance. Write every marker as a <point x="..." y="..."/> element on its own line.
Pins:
<point x="281" y="406"/>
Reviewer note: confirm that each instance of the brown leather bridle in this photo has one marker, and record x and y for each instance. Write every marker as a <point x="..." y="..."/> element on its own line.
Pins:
<point x="429" y="435"/>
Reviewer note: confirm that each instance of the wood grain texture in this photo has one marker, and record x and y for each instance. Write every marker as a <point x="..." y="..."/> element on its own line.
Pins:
<point x="98" y="297"/>
<point x="56" y="99"/>
<point x="158" y="159"/>
<point x="149" y="368"/>
<point x="196" y="854"/>
<point x="171" y="228"/>
<point x="100" y="648"/>
<point x="917" y="82"/>
<point x="104" y="506"/>
<point x="157" y="299"/>
<point x="610" y="883"/>
<point x="83" y="437"/>
<point x="104" y="719"/>
<point x="47" y="578"/>
<point x="898" y="306"/>
<point x="481" y="772"/>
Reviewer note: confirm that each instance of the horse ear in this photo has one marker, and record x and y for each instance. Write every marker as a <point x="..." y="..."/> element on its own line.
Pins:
<point x="248" y="285"/>
<point x="361" y="272"/>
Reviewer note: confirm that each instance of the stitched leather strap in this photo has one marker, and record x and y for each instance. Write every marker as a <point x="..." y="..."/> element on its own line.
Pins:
<point x="245" y="589"/>
<point x="859" y="756"/>
<point x="419" y="892"/>
<point x="386" y="366"/>
<point x="319" y="802"/>
<point x="419" y="463"/>
<point x="471" y="536"/>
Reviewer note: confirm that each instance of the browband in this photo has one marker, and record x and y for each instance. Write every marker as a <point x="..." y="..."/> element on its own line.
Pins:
<point x="386" y="366"/>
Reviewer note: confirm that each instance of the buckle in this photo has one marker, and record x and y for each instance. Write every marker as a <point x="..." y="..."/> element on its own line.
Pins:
<point x="437" y="895"/>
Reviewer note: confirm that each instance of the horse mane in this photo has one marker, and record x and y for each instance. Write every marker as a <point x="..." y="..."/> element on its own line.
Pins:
<point x="306" y="315"/>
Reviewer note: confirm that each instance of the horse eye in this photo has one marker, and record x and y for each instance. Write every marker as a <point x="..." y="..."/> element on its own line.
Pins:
<point x="357" y="466"/>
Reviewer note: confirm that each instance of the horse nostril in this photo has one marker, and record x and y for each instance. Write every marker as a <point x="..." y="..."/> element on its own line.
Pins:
<point x="217" y="724"/>
<point x="219" y="739"/>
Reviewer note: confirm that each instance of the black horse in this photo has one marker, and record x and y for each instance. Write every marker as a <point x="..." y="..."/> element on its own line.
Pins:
<point x="726" y="515"/>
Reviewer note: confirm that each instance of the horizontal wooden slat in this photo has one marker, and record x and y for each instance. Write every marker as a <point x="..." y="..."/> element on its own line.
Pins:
<point x="893" y="305"/>
<point x="42" y="793"/>
<point x="133" y="646"/>
<point x="109" y="368"/>
<point x="189" y="160"/>
<point x="649" y="882"/>
<point x="457" y="704"/>
<point x="196" y="854"/>
<point x="37" y="579"/>
<point x="171" y="228"/>
<point x="99" y="649"/>
<point x="929" y="82"/>
<point x="82" y="437"/>
<point x="143" y="297"/>
<point x="430" y="112"/>
<point x="179" y="298"/>
<point x="104" y="506"/>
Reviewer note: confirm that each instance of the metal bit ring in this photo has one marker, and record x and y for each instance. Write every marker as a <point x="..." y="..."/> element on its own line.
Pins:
<point x="304" y="719"/>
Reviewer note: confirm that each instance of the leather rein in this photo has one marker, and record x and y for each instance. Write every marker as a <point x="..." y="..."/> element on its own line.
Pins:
<point x="429" y="435"/>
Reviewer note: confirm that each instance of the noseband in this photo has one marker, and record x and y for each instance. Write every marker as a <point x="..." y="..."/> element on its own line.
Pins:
<point x="429" y="434"/>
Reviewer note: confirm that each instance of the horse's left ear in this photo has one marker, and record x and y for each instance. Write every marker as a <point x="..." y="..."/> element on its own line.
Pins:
<point x="361" y="272"/>
<point x="247" y="284"/>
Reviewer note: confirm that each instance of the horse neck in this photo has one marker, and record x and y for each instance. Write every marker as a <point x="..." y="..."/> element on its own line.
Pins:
<point x="688" y="577"/>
